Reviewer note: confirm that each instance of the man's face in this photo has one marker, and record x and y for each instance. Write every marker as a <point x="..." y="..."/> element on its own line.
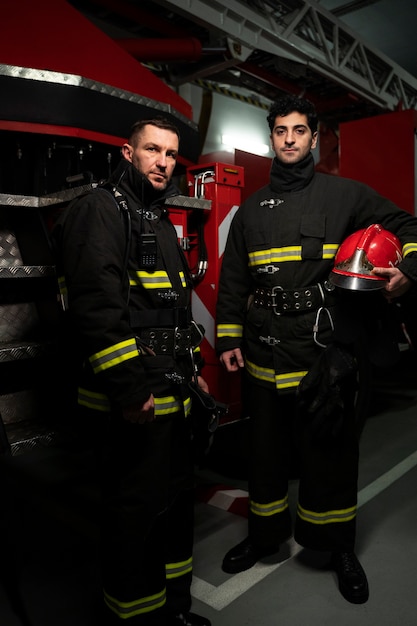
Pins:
<point x="155" y="155"/>
<point x="291" y="138"/>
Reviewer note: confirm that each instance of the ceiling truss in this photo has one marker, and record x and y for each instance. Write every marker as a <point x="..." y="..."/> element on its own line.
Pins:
<point x="302" y="31"/>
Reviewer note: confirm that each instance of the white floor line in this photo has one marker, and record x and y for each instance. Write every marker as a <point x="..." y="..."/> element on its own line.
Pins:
<point x="220" y="597"/>
<point x="387" y="479"/>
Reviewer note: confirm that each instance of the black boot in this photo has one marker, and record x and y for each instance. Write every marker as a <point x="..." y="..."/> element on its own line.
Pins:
<point x="243" y="556"/>
<point x="189" y="619"/>
<point x="353" y="584"/>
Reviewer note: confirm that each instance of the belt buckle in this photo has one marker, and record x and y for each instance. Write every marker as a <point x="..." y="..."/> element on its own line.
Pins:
<point x="178" y="339"/>
<point x="274" y="302"/>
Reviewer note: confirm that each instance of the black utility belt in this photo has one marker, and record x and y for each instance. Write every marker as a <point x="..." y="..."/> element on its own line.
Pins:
<point x="170" y="341"/>
<point x="282" y="301"/>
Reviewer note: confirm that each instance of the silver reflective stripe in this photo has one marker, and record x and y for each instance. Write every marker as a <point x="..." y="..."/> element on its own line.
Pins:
<point x="151" y="280"/>
<point x="100" y="402"/>
<point x="63" y="292"/>
<point x="281" y="381"/>
<point x="168" y="404"/>
<point x="114" y="355"/>
<point x="271" y="508"/>
<point x="93" y="400"/>
<point x="229" y="330"/>
<point x="288" y="253"/>
<point x="261" y="373"/>
<point x="291" y="379"/>
<point x="409" y="247"/>
<point x="187" y="406"/>
<point x="126" y="610"/>
<point x="175" y="570"/>
<point x="275" y="255"/>
<point x="327" y="517"/>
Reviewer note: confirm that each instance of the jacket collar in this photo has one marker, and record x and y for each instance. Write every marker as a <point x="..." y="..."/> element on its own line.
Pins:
<point x="293" y="176"/>
<point x="129" y="180"/>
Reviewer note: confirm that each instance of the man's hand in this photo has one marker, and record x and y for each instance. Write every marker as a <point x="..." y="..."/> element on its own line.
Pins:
<point x="397" y="284"/>
<point x="232" y="360"/>
<point x="139" y="414"/>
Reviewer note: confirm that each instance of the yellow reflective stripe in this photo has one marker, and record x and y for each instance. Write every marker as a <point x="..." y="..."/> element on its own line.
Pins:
<point x="62" y="283"/>
<point x="329" y="250"/>
<point x="150" y="280"/>
<point x="409" y="247"/>
<point x="187" y="406"/>
<point x="327" y="517"/>
<point x="288" y="253"/>
<point x="272" y="508"/>
<point x="93" y="400"/>
<point x="275" y="255"/>
<point x="175" y="570"/>
<point x="125" y="610"/>
<point x="114" y="355"/>
<point x="182" y="279"/>
<point x="291" y="379"/>
<point x="229" y="330"/>
<point x="281" y="381"/>
<point x="167" y="404"/>
<point x="63" y="292"/>
<point x="261" y="373"/>
<point x="100" y="402"/>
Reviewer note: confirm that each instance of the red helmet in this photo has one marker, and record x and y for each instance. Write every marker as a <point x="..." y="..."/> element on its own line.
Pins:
<point x="360" y="253"/>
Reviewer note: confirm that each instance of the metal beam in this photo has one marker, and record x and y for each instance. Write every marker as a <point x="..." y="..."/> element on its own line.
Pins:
<point x="311" y="35"/>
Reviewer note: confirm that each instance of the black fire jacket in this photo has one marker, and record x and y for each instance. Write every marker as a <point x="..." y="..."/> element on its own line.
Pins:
<point x="286" y="235"/>
<point x="109" y="288"/>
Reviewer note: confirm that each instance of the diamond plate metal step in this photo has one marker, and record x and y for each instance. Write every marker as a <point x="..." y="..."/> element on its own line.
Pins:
<point x="29" y="311"/>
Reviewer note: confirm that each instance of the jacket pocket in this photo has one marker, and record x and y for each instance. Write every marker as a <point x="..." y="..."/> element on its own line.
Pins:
<point x="312" y="231"/>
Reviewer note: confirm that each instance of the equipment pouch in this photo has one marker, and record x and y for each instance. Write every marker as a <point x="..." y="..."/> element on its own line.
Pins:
<point x="205" y="416"/>
<point x="322" y="393"/>
<point x="214" y="410"/>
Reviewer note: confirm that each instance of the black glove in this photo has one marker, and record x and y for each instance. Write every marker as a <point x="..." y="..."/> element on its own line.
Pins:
<point x="321" y="393"/>
<point x="205" y="414"/>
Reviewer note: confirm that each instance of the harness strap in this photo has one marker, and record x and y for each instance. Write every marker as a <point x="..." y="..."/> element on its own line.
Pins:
<point x="163" y="318"/>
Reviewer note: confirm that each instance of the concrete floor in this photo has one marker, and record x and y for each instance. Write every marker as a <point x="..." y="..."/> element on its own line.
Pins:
<point x="57" y="562"/>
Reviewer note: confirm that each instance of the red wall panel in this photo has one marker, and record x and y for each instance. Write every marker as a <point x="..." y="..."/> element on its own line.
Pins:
<point x="380" y="151"/>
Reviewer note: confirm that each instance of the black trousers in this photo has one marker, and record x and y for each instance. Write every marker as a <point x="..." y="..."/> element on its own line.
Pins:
<point x="285" y="445"/>
<point x="147" y="519"/>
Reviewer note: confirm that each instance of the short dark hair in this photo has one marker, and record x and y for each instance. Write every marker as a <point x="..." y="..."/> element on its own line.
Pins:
<point x="289" y="104"/>
<point x="159" y="122"/>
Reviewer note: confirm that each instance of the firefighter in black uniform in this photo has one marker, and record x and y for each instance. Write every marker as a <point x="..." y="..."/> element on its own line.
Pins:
<point x="127" y="288"/>
<point x="276" y="313"/>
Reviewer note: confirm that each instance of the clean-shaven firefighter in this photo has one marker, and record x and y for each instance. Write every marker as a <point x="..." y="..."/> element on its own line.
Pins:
<point x="277" y="311"/>
<point x="127" y="289"/>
